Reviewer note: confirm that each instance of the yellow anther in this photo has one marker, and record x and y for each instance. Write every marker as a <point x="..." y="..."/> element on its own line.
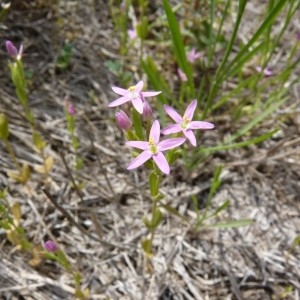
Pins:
<point x="186" y="121"/>
<point x="152" y="146"/>
<point x="132" y="88"/>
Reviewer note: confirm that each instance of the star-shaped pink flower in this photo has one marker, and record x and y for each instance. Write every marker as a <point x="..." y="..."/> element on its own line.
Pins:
<point x="193" y="55"/>
<point x="185" y="123"/>
<point x="133" y="94"/>
<point x="153" y="149"/>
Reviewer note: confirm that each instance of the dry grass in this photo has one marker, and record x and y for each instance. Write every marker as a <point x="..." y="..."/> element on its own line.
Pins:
<point x="262" y="182"/>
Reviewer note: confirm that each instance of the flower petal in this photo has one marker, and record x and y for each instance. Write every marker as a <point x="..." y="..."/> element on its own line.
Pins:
<point x="191" y="137"/>
<point x="189" y="113"/>
<point x="119" y="91"/>
<point x="119" y="101"/>
<point x="201" y="125"/>
<point x="174" y="128"/>
<point x="155" y="131"/>
<point x="139" y="86"/>
<point x="150" y="94"/>
<point x="138" y="104"/>
<point x="143" y="157"/>
<point x="170" y="143"/>
<point x="173" y="114"/>
<point x="138" y="144"/>
<point x="161" y="162"/>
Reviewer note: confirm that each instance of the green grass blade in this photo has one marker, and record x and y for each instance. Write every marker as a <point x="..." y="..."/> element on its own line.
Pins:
<point x="264" y="26"/>
<point x="263" y="115"/>
<point x="178" y="45"/>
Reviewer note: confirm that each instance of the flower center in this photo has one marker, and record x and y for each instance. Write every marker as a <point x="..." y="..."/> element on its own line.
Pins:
<point x="133" y="93"/>
<point x="152" y="146"/>
<point x="185" y="123"/>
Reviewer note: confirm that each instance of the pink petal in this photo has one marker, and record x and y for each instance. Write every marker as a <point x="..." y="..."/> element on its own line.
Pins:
<point x="143" y="157"/>
<point x="173" y="114"/>
<point x="138" y="144"/>
<point x="119" y="101"/>
<point x="174" y="128"/>
<point x="150" y="94"/>
<point x="119" y="91"/>
<point x="201" y="125"/>
<point x="191" y="110"/>
<point x="139" y="86"/>
<point x="191" y="137"/>
<point x="155" y="131"/>
<point x="170" y="143"/>
<point x="138" y="104"/>
<point x="162" y="163"/>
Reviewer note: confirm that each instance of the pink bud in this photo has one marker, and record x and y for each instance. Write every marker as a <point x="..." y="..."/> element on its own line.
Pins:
<point x="132" y="33"/>
<point x="11" y="49"/>
<point x="71" y="109"/>
<point x="123" y="120"/>
<point x="147" y="111"/>
<point x="182" y="75"/>
<point x="123" y="6"/>
<point x="50" y="246"/>
<point x="69" y="106"/>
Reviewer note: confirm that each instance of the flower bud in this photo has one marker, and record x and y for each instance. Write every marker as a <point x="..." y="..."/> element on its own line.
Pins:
<point x="50" y="246"/>
<point x="70" y="108"/>
<point x="123" y="120"/>
<point x="11" y="49"/>
<point x="182" y="75"/>
<point x="147" y="111"/>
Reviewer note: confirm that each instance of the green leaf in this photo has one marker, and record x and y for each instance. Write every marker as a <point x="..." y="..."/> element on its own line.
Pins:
<point x="154" y="183"/>
<point x="159" y="197"/>
<point x="4" y="131"/>
<point x="157" y="218"/>
<point x="38" y="142"/>
<point x="142" y="28"/>
<point x="147" y="246"/>
<point x="220" y="208"/>
<point x="137" y="123"/>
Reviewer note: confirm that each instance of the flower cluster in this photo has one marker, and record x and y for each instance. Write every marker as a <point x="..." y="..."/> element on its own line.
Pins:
<point x="153" y="148"/>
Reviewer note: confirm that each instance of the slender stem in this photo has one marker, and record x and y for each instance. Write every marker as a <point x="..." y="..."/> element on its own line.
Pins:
<point x="154" y="206"/>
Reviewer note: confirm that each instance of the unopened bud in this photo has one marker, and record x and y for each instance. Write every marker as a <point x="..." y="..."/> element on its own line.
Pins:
<point x="50" y="246"/>
<point x="182" y="75"/>
<point x="11" y="49"/>
<point x="123" y="120"/>
<point x="147" y="111"/>
<point x="70" y="108"/>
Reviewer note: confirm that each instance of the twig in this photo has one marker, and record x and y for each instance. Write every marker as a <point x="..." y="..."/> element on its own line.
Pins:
<point x="73" y="222"/>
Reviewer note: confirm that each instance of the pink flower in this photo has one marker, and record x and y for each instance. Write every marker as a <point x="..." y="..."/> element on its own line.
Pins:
<point x="123" y="120"/>
<point x="267" y="72"/>
<point x="182" y="75"/>
<point x="13" y="51"/>
<point x="193" y="55"/>
<point x="70" y="108"/>
<point x="132" y="34"/>
<point x="185" y="124"/>
<point x="153" y="149"/>
<point x="50" y="246"/>
<point x="133" y="94"/>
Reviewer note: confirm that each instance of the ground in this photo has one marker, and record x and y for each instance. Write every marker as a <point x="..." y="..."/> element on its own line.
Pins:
<point x="262" y="183"/>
